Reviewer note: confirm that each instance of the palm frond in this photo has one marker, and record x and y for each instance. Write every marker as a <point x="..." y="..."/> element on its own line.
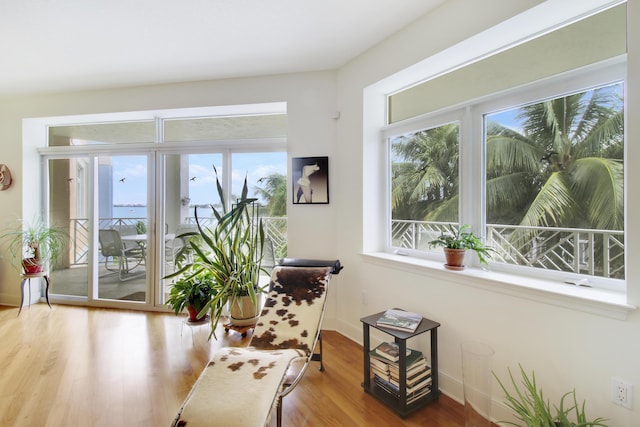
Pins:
<point x="600" y="183"/>
<point x="549" y="208"/>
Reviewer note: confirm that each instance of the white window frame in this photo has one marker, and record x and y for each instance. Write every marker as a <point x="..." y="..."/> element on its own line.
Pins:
<point x="414" y="125"/>
<point x="600" y="74"/>
<point x="607" y="296"/>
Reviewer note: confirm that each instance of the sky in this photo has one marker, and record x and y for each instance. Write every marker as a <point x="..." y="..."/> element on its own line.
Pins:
<point x="202" y="188"/>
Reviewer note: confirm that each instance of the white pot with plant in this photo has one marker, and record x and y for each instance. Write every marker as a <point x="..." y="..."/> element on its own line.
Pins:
<point x="231" y="252"/>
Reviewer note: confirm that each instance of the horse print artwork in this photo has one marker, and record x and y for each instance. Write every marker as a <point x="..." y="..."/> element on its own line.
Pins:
<point x="310" y="180"/>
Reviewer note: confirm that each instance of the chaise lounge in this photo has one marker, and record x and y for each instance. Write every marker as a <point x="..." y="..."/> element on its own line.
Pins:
<point x="287" y="332"/>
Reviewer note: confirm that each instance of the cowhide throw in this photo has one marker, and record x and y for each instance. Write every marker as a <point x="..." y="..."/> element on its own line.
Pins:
<point x="293" y="311"/>
<point x="239" y="387"/>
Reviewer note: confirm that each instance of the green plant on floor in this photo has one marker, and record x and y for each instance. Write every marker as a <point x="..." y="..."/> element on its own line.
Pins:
<point x="231" y="252"/>
<point x="191" y="292"/>
<point x="530" y="406"/>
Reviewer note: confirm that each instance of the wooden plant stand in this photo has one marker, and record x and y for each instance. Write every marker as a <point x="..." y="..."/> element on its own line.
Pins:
<point x="240" y="329"/>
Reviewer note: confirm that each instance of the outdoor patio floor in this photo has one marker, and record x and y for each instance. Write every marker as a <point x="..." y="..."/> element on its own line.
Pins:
<point x="74" y="282"/>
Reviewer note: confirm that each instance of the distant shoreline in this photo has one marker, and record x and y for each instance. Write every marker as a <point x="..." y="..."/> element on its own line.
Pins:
<point x="204" y="205"/>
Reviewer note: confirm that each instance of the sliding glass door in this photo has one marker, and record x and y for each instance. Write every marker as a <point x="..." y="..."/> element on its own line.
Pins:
<point x="127" y="190"/>
<point x="101" y="199"/>
<point x="123" y="238"/>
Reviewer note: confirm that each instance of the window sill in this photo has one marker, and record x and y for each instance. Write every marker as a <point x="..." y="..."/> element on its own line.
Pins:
<point x="590" y="300"/>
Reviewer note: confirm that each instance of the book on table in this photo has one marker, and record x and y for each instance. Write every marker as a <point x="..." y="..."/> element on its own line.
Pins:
<point x="379" y="364"/>
<point x="411" y="379"/>
<point x="419" y="366"/>
<point x="399" y="320"/>
<point x="420" y="389"/>
<point x="386" y="373"/>
<point x="415" y="363"/>
<point x="389" y="351"/>
<point x="414" y="381"/>
<point x="418" y="395"/>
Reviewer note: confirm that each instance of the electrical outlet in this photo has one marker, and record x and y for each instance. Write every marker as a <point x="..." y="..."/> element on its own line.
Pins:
<point x="365" y="297"/>
<point x="621" y="392"/>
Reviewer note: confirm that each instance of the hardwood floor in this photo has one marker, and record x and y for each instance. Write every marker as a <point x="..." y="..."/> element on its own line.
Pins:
<point x="76" y="366"/>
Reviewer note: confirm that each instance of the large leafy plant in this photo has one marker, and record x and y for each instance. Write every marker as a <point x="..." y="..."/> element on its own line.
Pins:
<point x="230" y="252"/>
<point x="530" y="406"/>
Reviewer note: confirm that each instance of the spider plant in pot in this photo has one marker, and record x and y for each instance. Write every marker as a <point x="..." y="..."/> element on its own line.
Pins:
<point x="231" y="252"/>
<point x="530" y="406"/>
<point x="456" y="242"/>
<point x="34" y="245"/>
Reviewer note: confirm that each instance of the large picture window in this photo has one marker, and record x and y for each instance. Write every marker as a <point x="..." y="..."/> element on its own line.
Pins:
<point x="555" y="183"/>
<point x="538" y="172"/>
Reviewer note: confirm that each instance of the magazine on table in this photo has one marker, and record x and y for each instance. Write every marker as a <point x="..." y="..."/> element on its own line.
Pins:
<point x="400" y="320"/>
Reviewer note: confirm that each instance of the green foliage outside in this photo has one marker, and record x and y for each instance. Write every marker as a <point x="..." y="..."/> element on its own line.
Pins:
<point x="562" y="167"/>
<point x="274" y="192"/>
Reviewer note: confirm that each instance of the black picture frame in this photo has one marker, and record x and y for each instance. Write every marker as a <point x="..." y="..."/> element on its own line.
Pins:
<point x="310" y="180"/>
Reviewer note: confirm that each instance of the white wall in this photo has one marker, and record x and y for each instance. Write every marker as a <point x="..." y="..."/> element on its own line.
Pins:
<point x="567" y="348"/>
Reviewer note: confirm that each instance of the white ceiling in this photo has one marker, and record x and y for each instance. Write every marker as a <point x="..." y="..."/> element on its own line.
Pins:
<point x="62" y="45"/>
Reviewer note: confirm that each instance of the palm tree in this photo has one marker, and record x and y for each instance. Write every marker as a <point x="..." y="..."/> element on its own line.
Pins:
<point x="425" y="174"/>
<point x="564" y="168"/>
<point x="274" y="192"/>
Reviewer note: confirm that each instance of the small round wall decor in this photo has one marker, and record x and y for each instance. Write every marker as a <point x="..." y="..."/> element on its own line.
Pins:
<point x="5" y="177"/>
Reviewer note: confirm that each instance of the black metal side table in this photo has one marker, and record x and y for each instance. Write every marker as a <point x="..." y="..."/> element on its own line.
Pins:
<point x="399" y="404"/>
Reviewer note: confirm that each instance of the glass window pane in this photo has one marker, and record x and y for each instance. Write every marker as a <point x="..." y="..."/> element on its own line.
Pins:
<point x="225" y="128"/>
<point x="190" y="185"/>
<point x="122" y="234"/>
<point x="424" y="185"/>
<point x="266" y="175"/>
<point x="555" y="183"/>
<point x="102" y="133"/>
<point x="68" y="207"/>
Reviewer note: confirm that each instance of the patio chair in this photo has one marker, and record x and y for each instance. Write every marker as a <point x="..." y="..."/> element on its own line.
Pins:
<point x="178" y="246"/>
<point x="113" y="250"/>
<point x="287" y="332"/>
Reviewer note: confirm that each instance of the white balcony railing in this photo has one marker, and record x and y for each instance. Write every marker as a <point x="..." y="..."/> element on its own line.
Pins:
<point x="594" y="252"/>
<point x="275" y="229"/>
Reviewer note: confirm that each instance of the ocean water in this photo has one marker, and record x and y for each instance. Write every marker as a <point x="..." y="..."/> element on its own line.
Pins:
<point x="141" y="212"/>
<point x="130" y="211"/>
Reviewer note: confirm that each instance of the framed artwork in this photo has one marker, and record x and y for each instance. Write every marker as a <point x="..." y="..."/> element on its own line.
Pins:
<point x="310" y="180"/>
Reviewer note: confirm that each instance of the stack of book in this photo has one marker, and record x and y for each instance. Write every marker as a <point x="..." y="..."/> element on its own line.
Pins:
<point x="386" y="372"/>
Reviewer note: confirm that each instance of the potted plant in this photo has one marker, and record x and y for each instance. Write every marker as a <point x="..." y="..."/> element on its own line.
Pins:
<point x="456" y="242"/>
<point x="193" y="292"/>
<point x="231" y="252"/>
<point x="530" y="406"/>
<point x="34" y="245"/>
